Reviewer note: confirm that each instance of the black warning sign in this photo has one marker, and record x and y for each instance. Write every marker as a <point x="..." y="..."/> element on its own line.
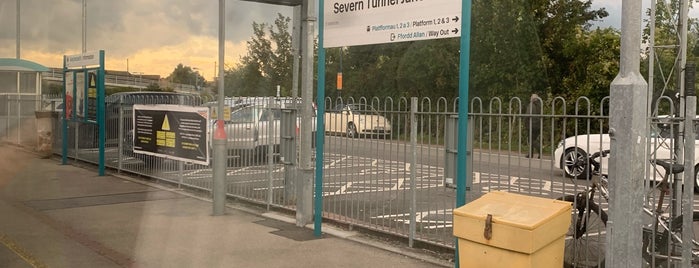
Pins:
<point x="172" y="131"/>
<point x="91" y="112"/>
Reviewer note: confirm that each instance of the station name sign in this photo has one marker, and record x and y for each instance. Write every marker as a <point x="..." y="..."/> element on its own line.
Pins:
<point x="364" y="22"/>
<point x="339" y="7"/>
<point x="83" y="60"/>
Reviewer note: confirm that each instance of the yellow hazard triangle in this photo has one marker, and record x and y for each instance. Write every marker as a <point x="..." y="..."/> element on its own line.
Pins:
<point x="166" y="124"/>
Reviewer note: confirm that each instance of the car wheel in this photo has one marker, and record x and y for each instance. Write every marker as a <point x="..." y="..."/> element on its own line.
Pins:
<point x="696" y="178"/>
<point x="351" y="130"/>
<point x="574" y="163"/>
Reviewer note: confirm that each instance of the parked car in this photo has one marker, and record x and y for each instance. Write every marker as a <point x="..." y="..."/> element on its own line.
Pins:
<point x="254" y="127"/>
<point x="356" y="120"/>
<point x="571" y="153"/>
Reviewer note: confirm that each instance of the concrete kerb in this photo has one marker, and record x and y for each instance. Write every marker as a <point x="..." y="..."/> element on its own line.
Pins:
<point x="328" y="229"/>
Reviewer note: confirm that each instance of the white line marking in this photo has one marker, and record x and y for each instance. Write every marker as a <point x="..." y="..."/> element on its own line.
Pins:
<point x="333" y="163"/>
<point x="343" y="188"/>
<point x="513" y="180"/>
<point x="547" y="186"/>
<point x="398" y="184"/>
<point x="265" y="188"/>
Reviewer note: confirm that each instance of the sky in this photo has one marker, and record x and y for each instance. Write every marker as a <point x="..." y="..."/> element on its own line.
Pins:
<point x="153" y="36"/>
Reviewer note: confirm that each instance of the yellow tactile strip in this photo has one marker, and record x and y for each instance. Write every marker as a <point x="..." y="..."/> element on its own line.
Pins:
<point x="21" y="252"/>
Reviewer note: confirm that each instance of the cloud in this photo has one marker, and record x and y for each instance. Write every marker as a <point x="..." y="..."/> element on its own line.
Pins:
<point x="155" y="35"/>
<point x="150" y="33"/>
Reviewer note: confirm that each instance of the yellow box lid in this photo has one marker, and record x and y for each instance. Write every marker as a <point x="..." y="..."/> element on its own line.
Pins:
<point x="520" y="211"/>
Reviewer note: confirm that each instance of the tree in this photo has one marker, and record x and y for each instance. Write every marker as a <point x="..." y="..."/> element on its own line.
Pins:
<point x="665" y="53"/>
<point x="560" y="24"/>
<point x="267" y="63"/>
<point x="434" y="76"/>
<point x="506" y="51"/>
<point x="186" y="75"/>
<point x="516" y="48"/>
<point x="594" y="64"/>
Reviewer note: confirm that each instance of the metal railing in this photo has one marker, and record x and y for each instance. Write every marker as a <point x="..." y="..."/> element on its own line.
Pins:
<point x="389" y="163"/>
<point x="133" y="81"/>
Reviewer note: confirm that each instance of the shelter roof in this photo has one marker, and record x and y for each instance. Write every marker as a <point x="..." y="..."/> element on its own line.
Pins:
<point x="20" y="65"/>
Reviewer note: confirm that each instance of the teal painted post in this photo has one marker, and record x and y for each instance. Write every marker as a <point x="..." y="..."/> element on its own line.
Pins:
<point x="101" y="112"/>
<point x="464" y="60"/>
<point x="320" y="126"/>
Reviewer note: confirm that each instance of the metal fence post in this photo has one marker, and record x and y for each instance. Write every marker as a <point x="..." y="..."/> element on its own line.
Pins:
<point x="180" y="176"/>
<point x="270" y="151"/>
<point x="7" y="125"/>
<point x="413" y="166"/>
<point x="120" y="159"/>
<point x="473" y="195"/>
<point x="450" y="151"/>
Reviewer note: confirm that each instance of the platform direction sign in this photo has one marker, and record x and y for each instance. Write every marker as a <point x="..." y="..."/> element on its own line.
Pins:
<point x="363" y="22"/>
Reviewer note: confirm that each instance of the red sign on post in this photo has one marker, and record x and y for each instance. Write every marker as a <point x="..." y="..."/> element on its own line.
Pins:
<point x="339" y="81"/>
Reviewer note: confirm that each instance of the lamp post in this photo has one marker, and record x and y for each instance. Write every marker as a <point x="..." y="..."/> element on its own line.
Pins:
<point x="84" y="22"/>
<point x="18" y="20"/>
<point x="196" y="78"/>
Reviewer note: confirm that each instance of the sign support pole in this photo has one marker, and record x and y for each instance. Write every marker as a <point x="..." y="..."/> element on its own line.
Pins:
<point x="101" y="112"/>
<point x="464" y="59"/>
<point x="320" y="127"/>
<point x="64" y="120"/>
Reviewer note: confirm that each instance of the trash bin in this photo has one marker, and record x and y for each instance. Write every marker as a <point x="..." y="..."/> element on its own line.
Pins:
<point x="44" y="131"/>
<point x="503" y="229"/>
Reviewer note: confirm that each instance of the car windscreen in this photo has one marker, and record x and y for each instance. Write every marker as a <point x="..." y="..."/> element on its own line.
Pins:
<point x="244" y="115"/>
<point x="362" y="109"/>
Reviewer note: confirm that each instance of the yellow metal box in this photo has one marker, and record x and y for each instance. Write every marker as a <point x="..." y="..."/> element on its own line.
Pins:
<point x="524" y="231"/>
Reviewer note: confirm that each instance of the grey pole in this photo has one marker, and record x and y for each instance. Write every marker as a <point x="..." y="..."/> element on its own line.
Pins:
<point x="304" y="201"/>
<point x="84" y="26"/>
<point x="290" y="173"/>
<point x="17" y="31"/>
<point x="295" y="47"/>
<point x="680" y="65"/>
<point x="218" y="189"/>
<point x="689" y="180"/>
<point x="628" y="133"/>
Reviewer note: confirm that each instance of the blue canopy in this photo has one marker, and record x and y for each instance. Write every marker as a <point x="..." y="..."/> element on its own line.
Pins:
<point x="20" y="65"/>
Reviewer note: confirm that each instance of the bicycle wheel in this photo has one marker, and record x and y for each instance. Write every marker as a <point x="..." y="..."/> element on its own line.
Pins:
<point x="664" y="247"/>
<point x="586" y="237"/>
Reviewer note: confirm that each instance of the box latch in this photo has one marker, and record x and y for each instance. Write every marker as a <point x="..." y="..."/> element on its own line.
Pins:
<point x="488" y="231"/>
